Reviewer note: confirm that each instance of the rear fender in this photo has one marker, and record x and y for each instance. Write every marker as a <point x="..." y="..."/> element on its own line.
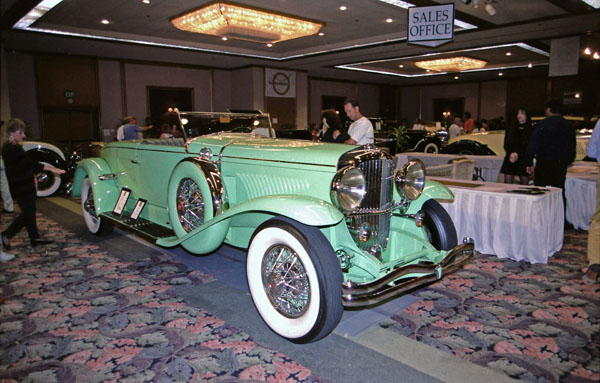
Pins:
<point x="106" y="192"/>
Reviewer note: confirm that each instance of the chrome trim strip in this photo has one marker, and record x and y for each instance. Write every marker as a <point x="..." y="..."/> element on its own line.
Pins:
<point x="366" y="294"/>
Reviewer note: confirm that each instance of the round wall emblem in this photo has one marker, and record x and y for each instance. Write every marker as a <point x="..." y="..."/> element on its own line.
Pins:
<point x="281" y="83"/>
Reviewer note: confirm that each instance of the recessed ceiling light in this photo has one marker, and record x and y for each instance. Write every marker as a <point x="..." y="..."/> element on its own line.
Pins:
<point x="343" y="7"/>
<point x="428" y="70"/>
<point x="269" y="45"/>
<point x="321" y="34"/>
<point x="146" y="1"/>
<point x="456" y="77"/>
<point x="596" y="56"/>
<point x="508" y="54"/>
<point x="587" y="51"/>
<point x="105" y="21"/>
<point x="500" y="74"/>
<point x="529" y="65"/>
<point x="389" y="20"/>
<point x="401" y="66"/>
<point x="224" y="38"/>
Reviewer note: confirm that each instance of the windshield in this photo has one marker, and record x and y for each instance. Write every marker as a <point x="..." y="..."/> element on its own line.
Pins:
<point x="196" y="124"/>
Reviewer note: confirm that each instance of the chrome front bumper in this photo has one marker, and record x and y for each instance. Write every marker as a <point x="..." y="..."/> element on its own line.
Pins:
<point x="366" y="294"/>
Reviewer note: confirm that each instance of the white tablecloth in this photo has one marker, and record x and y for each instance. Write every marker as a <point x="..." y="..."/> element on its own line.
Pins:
<point x="488" y="165"/>
<point x="508" y="225"/>
<point x="581" y="191"/>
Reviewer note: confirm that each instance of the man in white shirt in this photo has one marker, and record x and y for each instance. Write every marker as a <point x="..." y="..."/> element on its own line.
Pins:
<point x="455" y="129"/>
<point x="361" y="130"/>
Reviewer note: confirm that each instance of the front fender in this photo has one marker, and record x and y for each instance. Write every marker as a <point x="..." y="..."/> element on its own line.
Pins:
<point x="106" y="192"/>
<point x="432" y="190"/>
<point x="307" y="210"/>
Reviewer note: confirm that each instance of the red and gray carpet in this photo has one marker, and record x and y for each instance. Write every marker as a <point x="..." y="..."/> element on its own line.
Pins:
<point x="75" y="314"/>
<point x="534" y="322"/>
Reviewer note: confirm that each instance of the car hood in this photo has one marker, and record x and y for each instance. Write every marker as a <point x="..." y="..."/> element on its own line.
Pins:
<point x="246" y="146"/>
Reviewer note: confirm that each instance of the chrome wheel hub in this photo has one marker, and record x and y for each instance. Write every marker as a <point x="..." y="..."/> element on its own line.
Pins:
<point x="89" y="206"/>
<point x="190" y="204"/>
<point x="285" y="281"/>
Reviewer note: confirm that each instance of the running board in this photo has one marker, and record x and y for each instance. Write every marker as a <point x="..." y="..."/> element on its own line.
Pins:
<point x="140" y="226"/>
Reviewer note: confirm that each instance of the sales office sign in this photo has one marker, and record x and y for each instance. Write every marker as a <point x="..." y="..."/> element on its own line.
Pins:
<point x="431" y="26"/>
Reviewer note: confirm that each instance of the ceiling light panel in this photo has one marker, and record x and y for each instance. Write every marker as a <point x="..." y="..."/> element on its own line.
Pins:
<point x="240" y="22"/>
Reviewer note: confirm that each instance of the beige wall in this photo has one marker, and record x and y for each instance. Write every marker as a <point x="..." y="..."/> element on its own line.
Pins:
<point x="23" y="99"/>
<point x="366" y="94"/>
<point x="111" y="104"/>
<point x="483" y="100"/>
<point x="218" y="90"/>
<point x="493" y="99"/>
<point x="138" y="77"/>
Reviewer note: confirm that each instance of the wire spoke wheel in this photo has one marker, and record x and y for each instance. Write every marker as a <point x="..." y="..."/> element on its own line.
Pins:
<point x="285" y="281"/>
<point x="190" y="204"/>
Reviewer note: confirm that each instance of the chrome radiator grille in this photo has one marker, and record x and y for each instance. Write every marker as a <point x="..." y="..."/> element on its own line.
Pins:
<point x="374" y="212"/>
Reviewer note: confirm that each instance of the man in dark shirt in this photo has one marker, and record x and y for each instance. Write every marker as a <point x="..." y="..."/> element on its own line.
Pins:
<point x="553" y="146"/>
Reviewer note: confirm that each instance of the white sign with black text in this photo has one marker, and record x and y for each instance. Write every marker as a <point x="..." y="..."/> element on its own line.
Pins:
<point x="431" y="26"/>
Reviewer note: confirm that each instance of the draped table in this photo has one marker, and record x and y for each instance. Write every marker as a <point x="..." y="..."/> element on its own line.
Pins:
<point x="581" y="190"/>
<point x="509" y="225"/>
<point x="488" y="166"/>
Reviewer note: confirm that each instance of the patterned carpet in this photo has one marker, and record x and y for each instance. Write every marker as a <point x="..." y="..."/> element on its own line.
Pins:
<point x="534" y="322"/>
<point x="74" y="314"/>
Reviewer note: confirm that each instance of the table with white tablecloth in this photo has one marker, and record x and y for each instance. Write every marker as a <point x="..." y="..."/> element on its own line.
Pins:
<point x="488" y="167"/>
<point x="509" y="225"/>
<point x="581" y="190"/>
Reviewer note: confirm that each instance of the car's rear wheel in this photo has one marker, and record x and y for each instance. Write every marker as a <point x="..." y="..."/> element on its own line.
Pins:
<point x="295" y="280"/>
<point x="48" y="183"/>
<point x="96" y="225"/>
<point x="439" y="226"/>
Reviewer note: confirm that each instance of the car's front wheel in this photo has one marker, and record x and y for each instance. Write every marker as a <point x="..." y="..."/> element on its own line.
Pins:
<point x="439" y="226"/>
<point x="48" y="183"/>
<point x="295" y="280"/>
<point x="431" y="147"/>
<point x="96" y="225"/>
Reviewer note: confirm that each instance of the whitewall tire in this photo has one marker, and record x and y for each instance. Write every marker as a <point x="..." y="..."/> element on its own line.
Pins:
<point x="295" y="280"/>
<point x="48" y="183"/>
<point x="94" y="223"/>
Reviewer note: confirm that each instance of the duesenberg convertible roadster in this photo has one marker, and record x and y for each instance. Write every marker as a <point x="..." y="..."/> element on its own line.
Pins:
<point x="326" y="226"/>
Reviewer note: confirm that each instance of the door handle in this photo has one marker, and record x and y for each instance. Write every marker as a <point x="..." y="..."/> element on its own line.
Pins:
<point x="134" y="162"/>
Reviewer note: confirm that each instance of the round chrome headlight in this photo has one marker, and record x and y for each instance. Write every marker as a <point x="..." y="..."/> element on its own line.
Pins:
<point x="410" y="180"/>
<point x="348" y="189"/>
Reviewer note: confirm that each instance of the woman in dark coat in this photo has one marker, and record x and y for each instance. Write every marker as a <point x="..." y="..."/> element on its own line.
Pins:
<point x="515" y="143"/>
<point x="19" y="172"/>
<point x="331" y="125"/>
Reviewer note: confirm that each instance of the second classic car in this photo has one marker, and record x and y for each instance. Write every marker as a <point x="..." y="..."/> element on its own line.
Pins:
<point x="326" y="226"/>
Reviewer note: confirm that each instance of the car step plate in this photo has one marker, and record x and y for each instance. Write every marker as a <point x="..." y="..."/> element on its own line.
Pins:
<point x="140" y="226"/>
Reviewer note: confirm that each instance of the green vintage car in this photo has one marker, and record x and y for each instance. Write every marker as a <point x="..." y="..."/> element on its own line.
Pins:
<point x="326" y="226"/>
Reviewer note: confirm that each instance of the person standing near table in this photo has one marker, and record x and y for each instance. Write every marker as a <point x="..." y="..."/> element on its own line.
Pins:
<point x="553" y="146"/>
<point x="468" y="124"/>
<point x="21" y="181"/>
<point x="455" y="129"/>
<point x="361" y="130"/>
<point x="516" y="141"/>
<point x="593" y="242"/>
